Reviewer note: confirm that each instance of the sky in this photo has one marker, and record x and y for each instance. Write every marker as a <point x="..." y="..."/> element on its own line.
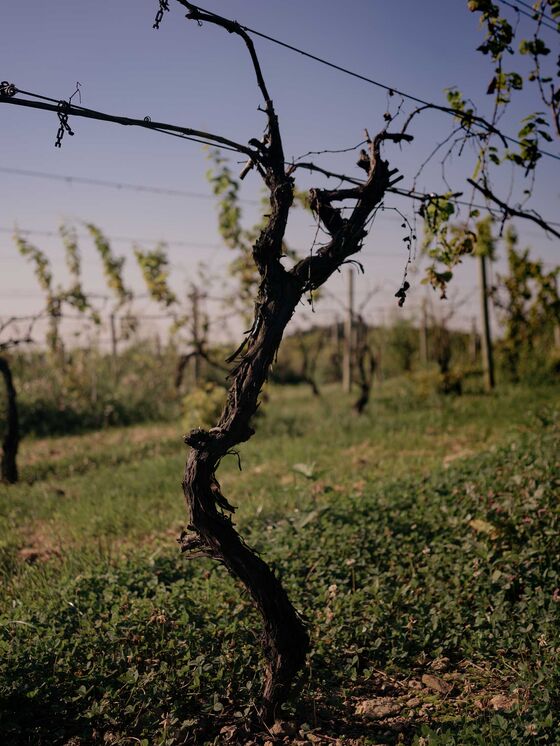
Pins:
<point x="202" y="78"/>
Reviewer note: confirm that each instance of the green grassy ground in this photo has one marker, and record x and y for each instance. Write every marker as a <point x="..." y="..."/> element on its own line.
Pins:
<point x="421" y="542"/>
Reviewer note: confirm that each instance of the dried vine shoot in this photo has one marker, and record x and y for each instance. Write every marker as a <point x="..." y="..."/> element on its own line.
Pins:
<point x="211" y="531"/>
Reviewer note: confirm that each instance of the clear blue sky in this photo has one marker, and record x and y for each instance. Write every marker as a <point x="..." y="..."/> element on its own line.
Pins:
<point x="201" y="77"/>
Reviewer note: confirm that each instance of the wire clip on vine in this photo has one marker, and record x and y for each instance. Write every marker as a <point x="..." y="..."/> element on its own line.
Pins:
<point x="163" y="6"/>
<point x="7" y="89"/>
<point x="62" y="111"/>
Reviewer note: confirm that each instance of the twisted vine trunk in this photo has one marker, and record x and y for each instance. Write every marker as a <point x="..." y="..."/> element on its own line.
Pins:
<point x="10" y="444"/>
<point x="365" y="363"/>
<point x="366" y="369"/>
<point x="211" y="530"/>
<point x="285" y="640"/>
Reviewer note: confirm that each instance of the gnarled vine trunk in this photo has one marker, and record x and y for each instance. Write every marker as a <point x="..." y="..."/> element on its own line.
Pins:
<point x="10" y="443"/>
<point x="211" y="531"/>
<point x="286" y="640"/>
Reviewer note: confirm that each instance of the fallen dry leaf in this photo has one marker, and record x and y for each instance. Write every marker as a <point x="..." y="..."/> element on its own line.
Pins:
<point x="436" y="684"/>
<point x="440" y="664"/>
<point x="378" y="708"/>
<point x="483" y="527"/>
<point x="283" y="728"/>
<point x="502" y="702"/>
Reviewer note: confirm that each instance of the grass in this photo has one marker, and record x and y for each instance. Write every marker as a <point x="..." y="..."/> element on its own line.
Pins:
<point x="420" y="540"/>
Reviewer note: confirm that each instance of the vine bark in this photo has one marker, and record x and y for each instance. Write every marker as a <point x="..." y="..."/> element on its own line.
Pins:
<point x="10" y="443"/>
<point x="211" y="530"/>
